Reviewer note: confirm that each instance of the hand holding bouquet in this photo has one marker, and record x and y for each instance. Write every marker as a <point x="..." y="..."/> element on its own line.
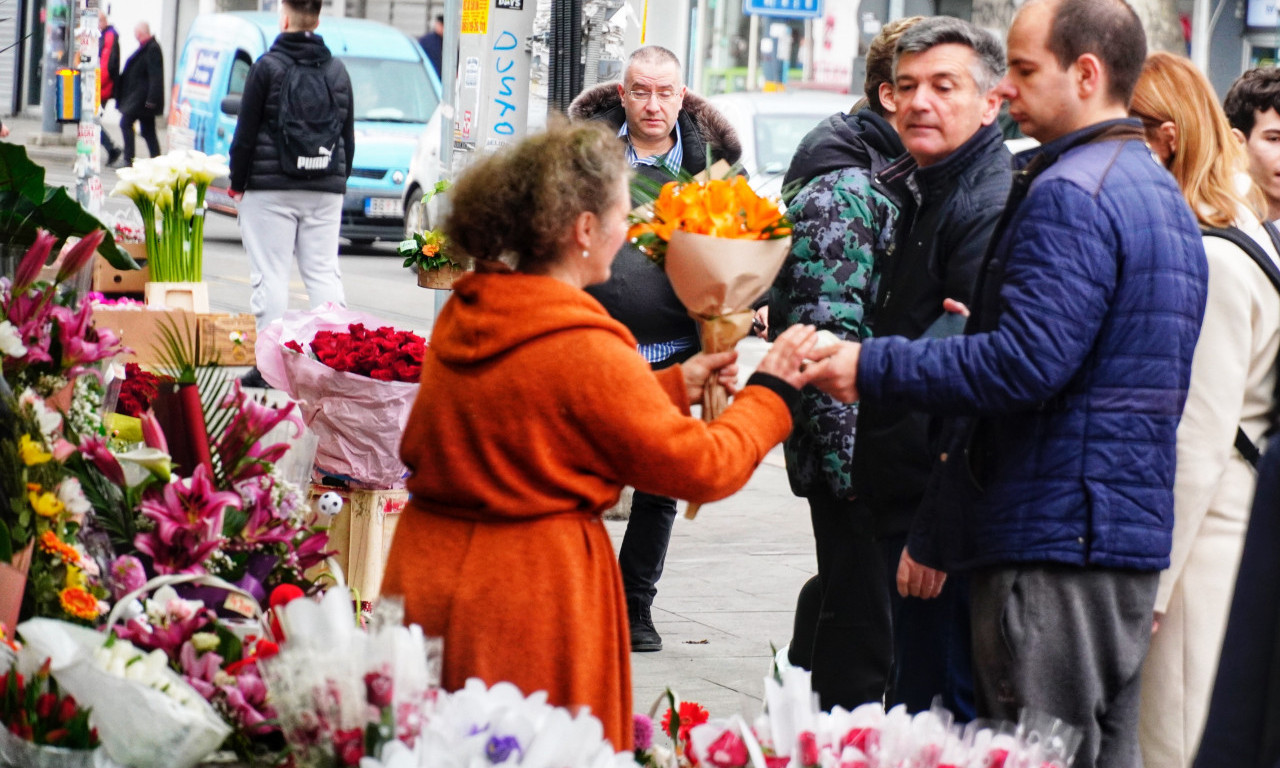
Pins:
<point x="721" y="245"/>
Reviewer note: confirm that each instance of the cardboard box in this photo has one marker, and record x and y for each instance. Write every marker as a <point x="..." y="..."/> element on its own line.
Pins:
<point x="214" y="335"/>
<point x="362" y="533"/>
<point x="108" y="279"/>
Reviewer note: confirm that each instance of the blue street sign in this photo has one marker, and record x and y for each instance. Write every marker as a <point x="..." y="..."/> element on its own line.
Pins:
<point x="787" y="9"/>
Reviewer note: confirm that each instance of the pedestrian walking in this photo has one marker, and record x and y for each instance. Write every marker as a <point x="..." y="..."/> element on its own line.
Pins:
<point x="1053" y="485"/>
<point x="666" y="131"/>
<point x="502" y="549"/>
<point x="433" y="44"/>
<point x="1233" y="378"/>
<point x="290" y="158"/>
<point x="140" y="94"/>
<point x="108" y="75"/>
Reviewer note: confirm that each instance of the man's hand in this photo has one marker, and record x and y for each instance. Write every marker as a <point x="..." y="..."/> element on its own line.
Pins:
<point x="4" y="131"/>
<point x="955" y="307"/>
<point x="916" y="580"/>
<point x="760" y="323"/>
<point x="701" y="366"/>
<point x="786" y="357"/>
<point x="835" y="370"/>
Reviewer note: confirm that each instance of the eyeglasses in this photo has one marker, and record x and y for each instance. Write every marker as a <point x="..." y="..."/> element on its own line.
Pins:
<point x="642" y="96"/>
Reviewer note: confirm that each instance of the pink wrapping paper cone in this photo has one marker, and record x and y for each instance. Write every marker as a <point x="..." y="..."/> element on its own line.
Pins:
<point x="13" y="583"/>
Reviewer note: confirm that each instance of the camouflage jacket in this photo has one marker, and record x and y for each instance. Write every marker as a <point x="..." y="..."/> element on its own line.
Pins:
<point x="844" y="224"/>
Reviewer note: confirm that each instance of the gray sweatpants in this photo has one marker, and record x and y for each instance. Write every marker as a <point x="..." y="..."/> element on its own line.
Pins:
<point x="1067" y="641"/>
<point x="279" y="226"/>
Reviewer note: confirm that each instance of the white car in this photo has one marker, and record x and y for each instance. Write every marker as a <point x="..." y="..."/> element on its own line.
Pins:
<point x="424" y="172"/>
<point x="771" y="125"/>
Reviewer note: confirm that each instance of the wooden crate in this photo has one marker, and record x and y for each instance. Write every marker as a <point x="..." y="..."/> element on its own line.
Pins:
<point x="108" y="279"/>
<point x="362" y="533"/>
<point x="227" y="339"/>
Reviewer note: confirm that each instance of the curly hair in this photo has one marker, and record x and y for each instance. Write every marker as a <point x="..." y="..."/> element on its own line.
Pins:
<point x="522" y="200"/>
<point x="1255" y="92"/>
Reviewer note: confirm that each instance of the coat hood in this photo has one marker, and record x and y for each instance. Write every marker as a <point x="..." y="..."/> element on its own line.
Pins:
<point x="840" y="141"/>
<point x="491" y="314"/>
<point x="602" y="102"/>
<point x="302" y="47"/>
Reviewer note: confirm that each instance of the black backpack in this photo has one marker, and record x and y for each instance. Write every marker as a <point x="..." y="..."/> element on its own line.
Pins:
<point x="1250" y="246"/>
<point x="309" y="126"/>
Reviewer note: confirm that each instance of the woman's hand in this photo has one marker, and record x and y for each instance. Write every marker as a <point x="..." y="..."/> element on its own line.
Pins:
<point x="785" y="359"/>
<point x="700" y="367"/>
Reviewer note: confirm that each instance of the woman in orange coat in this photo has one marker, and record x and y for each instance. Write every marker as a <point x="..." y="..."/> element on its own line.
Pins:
<point x="535" y="411"/>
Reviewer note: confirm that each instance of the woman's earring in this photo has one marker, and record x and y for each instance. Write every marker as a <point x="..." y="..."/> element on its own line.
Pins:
<point x="586" y="254"/>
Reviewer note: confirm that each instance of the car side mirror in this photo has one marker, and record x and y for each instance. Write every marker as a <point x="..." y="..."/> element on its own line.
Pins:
<point x="231" y="105"/>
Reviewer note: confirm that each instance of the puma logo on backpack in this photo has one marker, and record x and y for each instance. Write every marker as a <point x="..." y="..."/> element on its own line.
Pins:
<point x="309" y="124"/>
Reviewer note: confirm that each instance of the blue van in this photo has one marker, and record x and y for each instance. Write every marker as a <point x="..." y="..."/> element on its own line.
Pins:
<point x="396" y="92"/>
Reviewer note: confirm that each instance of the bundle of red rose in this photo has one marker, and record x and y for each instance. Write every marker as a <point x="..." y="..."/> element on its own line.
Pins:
<point x="385" y="354"/>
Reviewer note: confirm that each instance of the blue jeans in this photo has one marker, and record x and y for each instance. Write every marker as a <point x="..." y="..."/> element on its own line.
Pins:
<point x="932" y="643"/>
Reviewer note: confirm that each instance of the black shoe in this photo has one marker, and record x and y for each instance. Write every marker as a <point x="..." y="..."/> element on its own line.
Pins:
<point x="112" y="156"/>
<point x="643" y="636"/>
<point x="254" y="379"/>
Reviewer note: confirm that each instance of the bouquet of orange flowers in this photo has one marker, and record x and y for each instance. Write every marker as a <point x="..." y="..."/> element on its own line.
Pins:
<point x="721" y="245"/>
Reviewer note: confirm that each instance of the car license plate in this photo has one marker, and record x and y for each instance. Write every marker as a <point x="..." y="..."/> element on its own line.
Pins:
<point x="382" y="207"/>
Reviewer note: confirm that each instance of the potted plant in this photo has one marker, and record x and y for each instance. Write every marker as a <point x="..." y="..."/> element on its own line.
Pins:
<point x="427" y="252"/>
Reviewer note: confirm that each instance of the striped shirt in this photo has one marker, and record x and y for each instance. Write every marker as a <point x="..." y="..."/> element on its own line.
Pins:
<point x="673" y="162"/>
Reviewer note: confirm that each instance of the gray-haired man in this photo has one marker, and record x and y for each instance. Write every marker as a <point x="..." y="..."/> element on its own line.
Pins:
<point x="958" y="170"/>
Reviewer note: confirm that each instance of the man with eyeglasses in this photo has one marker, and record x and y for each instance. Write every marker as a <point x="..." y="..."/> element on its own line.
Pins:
<point x="666" y="130"/>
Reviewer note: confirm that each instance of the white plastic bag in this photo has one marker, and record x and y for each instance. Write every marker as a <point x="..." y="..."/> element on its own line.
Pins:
<point x="138" y="725"/>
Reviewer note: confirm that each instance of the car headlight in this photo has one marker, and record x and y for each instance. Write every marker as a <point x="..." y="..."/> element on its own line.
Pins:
<point x="397" y="177"/>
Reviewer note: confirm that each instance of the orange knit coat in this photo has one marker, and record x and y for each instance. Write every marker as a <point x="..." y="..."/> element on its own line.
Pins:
<point x="535" y="411"/>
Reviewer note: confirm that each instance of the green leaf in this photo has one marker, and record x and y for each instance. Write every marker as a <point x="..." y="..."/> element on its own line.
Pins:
<point x="6" y="543"/>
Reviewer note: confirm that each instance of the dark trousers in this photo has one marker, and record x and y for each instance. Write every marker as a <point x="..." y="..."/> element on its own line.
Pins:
<point x="932" y="647"/>
<point x="147" y="127"/>
<point x="1069" y="642"/>
<point x="107" y="142"/>
<point x="644" y="544"/>
<point x="852" y="639"/>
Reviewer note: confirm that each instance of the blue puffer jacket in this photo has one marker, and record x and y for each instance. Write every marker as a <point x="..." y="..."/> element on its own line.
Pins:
<point x="1074" y="370"/>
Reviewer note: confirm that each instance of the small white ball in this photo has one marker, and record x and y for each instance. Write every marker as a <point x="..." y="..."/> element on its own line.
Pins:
<point x="330" y="503"/>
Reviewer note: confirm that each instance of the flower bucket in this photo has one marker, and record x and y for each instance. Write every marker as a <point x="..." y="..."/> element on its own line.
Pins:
<point x="13" y="583"/>
<point x="192" y="297"/>
<point x="16" y="751"/>
<point x="440" y="279"/>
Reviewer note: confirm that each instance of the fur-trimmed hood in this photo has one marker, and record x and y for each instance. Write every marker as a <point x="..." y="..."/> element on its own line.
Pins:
<point x="602" y="102"/>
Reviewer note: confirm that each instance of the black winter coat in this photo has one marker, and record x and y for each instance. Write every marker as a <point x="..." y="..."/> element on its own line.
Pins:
<point x="938" y="250"/>
<point x="638" y="294"/>
<point x="140" y="91"/>
<point x="255" y="158"/>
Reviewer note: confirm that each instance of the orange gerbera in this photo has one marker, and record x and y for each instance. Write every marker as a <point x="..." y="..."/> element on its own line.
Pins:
<point x="49" y="542"/>
<point x="724" y="208"/>
<point x="79" y="603"/>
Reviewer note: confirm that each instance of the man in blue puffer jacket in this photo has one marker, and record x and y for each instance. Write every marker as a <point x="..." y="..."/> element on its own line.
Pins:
<point x="1055" y="483"/>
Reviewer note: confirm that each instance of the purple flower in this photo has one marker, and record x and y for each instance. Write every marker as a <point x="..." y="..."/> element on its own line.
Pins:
<point x="127" y="575"/>
<point x="240" y="448"/>
<point x="499" y="748"/>
<point x="643" y="728"/>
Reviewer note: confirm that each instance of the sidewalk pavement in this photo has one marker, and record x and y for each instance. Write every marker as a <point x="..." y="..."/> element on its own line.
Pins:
<point x="59" y="149"/>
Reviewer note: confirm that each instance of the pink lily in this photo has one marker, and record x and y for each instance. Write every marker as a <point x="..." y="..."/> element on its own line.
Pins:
<point x="95" y="449"/>
<point x="188" y="516"/>
<point x="82" y="343"/>
<point x="152" y="434"/>
<point x="240" y="448"/>
<point x="79" y="254"/>
<point x="31" y="264"/>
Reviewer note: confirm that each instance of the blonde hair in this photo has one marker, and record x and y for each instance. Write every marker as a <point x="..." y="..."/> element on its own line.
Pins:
<point x="1207" y="161"/>
<point x="521" y="201"/>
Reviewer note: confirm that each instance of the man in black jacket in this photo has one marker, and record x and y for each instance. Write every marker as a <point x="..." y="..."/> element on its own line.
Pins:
<point x="141" y="92"/>
<point x="284" y="215"/>
<point x="665" y="130"/>
<point x="959" y="172"/>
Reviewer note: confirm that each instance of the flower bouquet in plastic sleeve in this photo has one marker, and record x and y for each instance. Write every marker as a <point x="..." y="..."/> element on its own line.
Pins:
<point x="721" y="245"/>
<point x="356" y="379"/>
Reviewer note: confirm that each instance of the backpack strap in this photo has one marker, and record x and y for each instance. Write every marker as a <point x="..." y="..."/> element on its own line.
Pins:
<point x="1247" y="448"/>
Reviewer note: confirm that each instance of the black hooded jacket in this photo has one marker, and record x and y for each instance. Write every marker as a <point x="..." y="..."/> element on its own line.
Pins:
<point x="637" y="293"/>
<point x="255" y="158"/>
<point x="862" y="139"/>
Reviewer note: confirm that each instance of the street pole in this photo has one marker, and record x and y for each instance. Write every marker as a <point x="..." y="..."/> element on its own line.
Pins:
<point x="88" y="167"/>
<point x="753" y="53"/>
<point x="57" y="19"/>
<point x="699" y="47"/>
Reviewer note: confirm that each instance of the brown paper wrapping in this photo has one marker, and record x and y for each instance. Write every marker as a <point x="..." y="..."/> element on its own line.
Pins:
<point x="717" y="279"/>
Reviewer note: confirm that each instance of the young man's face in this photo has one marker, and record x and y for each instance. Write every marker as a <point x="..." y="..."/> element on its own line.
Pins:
<point x="1263" y="148"/>
<point x="1041" y="96"/>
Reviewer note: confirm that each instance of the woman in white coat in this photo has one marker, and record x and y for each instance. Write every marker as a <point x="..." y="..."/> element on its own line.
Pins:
<point x="1232" y="383"/>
